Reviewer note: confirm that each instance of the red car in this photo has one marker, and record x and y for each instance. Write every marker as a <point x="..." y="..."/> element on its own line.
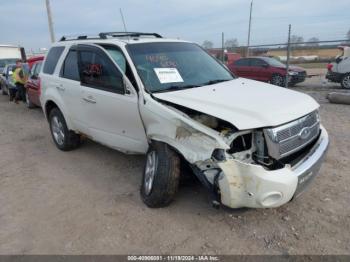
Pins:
<point x="267" y="69"/>
<point x="32" y="85"/>
<point x="31" y="61"/>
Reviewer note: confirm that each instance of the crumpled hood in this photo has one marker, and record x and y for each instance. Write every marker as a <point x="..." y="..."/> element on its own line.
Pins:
<point x="244" y="103"/>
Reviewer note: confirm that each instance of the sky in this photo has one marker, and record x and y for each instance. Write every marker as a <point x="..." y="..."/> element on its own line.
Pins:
<point x="24" y="22"/>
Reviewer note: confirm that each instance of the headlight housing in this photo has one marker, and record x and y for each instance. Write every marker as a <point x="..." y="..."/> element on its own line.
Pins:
<point x="292" y="73"/>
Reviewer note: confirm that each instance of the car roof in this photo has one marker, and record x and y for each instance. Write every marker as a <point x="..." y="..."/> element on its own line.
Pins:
<point x="118" y="41"/>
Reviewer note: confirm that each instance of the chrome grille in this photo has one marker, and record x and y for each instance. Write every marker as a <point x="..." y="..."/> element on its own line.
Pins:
<point x="289" y="138"/>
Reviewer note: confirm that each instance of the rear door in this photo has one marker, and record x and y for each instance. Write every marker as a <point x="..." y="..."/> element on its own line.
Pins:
<point x="32" y="85"/>
<point x="111" y="110"/>
<point x="259" y="69"/>
<point x="71" y="90"/>
<point x="242" y="67"/>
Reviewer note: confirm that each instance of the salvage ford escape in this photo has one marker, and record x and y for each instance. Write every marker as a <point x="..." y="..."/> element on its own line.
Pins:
<point x="250" y="143"/>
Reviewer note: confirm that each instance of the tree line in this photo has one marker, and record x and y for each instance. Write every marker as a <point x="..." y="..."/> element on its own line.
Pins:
<point x="295" y="39"/>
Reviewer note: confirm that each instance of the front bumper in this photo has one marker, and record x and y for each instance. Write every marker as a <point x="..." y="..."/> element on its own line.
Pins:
<point x="300" y="77"/>
<point x="248" y="185"/>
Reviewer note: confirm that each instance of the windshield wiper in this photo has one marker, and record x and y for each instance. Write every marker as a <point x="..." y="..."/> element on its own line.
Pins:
<point x="175" y="88"/>
<point x="212" y="82"/>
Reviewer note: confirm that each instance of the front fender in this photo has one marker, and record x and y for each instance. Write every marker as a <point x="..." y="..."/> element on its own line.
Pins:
<point x="193" y="140"/>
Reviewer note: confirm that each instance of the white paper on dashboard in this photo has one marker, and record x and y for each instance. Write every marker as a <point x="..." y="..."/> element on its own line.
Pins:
<point x="168" y="75"/>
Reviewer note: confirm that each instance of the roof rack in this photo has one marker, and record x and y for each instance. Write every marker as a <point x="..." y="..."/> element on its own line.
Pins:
<point x="128" y="34"/>
<point x="105" y="35"/>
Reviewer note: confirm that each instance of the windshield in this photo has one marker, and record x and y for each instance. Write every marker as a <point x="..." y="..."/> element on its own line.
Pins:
<point x="274" y="62"/>
<point x="175" y="65"/>
<point x="4" y="62"/>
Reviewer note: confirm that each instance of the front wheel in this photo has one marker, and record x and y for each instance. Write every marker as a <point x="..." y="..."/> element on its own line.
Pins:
<point x="345" y="81"/>
<point x="161" y="176"/>
<point x="278" y="80"/>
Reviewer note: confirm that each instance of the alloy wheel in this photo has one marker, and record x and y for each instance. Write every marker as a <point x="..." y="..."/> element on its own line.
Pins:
<point x="57" y="130"/>
<point x="150" y="171"/>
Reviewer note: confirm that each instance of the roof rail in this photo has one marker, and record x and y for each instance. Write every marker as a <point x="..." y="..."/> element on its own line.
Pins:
<point x="80" y="37"/>
<point x="104" y="35"/>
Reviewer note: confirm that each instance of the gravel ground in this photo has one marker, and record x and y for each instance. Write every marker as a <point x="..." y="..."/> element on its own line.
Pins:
<point x="87" y="201"/>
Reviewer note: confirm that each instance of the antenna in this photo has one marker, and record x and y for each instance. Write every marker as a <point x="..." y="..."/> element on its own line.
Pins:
<point x="121" y="14"/>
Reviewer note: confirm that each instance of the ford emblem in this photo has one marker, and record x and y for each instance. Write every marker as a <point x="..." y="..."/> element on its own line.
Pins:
<point x="305" y="133"/>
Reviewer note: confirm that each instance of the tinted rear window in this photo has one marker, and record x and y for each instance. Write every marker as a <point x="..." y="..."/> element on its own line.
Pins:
<point x="70" y="66"/>
<point x="52" y="59"/>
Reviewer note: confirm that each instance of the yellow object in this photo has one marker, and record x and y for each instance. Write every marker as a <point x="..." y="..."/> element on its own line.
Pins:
<point x="17" y="78"/>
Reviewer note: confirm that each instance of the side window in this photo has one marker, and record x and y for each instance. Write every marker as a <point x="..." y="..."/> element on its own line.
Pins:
<point x="257" y="62"/>
<point x="242" y="62"/>
<point x="119" y="58"/>
<point x="32" y="71"/>
<point x="69" y="68"/>
<point x="38" y="68"/>
<point x="97" y="71"/>
<point x="52" y="59"/>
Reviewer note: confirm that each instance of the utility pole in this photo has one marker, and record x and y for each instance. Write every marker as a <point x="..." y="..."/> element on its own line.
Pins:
<point x="49" y="17"/>
<point x="288" y="55"/>
<point x="222" y="48"/>
<point x="250" y="24"/>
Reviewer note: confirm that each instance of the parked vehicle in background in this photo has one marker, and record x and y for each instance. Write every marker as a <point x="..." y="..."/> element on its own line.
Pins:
<point x="6" y="80"/>
<point x="267" y="69"/>
<point x="251" y="144"/>
<point x="339" y="71"/>
<point x="33" y="59"/>
<point x="10" y="54"/>
<point x="32" y="85"/>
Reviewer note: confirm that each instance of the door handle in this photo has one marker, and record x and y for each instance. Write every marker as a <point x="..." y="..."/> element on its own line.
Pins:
<point x="89" y="99"/>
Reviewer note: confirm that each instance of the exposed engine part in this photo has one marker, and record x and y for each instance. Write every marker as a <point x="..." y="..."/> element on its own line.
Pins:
<point x="241" y="143"/>
<point x="261" y="155"/>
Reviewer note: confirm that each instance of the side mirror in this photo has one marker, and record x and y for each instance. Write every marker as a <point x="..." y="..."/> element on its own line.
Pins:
<point x="338" y="60"/>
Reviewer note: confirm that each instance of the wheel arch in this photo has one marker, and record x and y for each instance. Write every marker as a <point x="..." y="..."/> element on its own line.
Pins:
<point x="49" y="105"/>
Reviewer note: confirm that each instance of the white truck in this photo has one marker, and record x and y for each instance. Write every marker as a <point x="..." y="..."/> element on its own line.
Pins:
<point x="339" y="71"/>
<point x="9" y="54"/>
<point x="251" y="144"/>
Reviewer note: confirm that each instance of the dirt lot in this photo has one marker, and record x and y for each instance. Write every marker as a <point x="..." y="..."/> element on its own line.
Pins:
<point x="87" y="201"/>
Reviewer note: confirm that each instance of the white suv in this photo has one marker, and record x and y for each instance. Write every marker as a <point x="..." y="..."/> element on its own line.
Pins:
<point x="339" y="71"/>
<point x="251" y="144"/>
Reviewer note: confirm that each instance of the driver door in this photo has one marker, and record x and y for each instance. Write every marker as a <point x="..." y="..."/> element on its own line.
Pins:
<point x="111" y="110"/>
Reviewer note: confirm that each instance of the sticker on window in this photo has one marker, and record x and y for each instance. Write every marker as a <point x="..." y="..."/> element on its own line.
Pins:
<point x="168" y="75"/>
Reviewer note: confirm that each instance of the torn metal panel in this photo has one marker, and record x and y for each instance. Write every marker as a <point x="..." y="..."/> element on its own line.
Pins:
<point x="193" y="140"/>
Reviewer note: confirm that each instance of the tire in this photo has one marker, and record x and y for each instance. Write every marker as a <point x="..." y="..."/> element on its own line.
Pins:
<point x="345" y="81"/>
<point x="161" y="176"/>
<point x="29" y="104"/>
<point x="64" y="139"/>
<point x="277" y="80"/>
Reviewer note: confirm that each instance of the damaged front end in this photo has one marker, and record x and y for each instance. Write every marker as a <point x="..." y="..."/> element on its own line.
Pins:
<point x="240" y="168"/>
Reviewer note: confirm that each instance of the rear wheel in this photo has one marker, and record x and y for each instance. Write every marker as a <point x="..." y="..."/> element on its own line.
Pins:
<point x="64" y="139"/>
<point x="345" y="81"/>
<point x="277" y="80"/>
<point x="161" y="176"/>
